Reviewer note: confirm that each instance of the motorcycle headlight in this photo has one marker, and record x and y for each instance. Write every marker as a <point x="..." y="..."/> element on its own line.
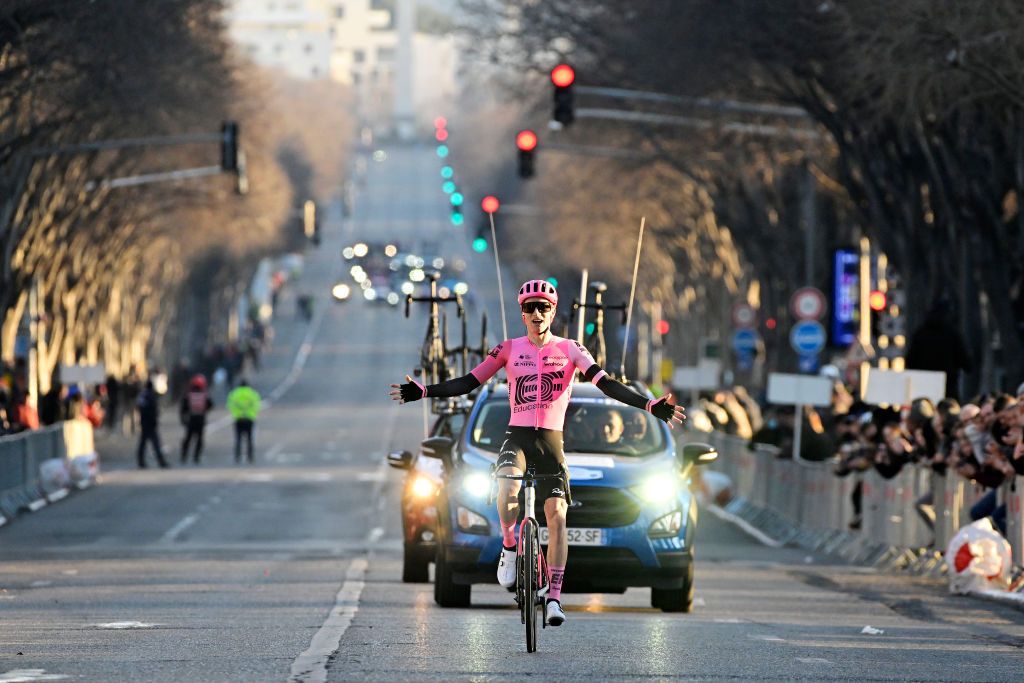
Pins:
<point x="658" y="489"/>
<point x="422" y="487"/>
<point x="471" y="522"/>
<point x="476" y="485"/>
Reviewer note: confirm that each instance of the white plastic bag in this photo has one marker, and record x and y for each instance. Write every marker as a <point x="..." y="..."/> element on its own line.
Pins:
<point x="978" y="558"/>
<point x="53" y="475"/>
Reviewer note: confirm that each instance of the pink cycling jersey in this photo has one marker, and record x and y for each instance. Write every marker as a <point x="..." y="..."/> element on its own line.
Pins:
<point x="539" y="379"/>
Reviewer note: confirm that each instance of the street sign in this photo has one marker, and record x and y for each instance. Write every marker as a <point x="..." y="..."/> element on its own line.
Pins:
<point x="808" y="390"/>
<point x="807" y="303"/>
<point x="807" y="337"/>
<point x="745" y="341"/>
<point x="743" y="315"/>
<point x="808" y="363"/>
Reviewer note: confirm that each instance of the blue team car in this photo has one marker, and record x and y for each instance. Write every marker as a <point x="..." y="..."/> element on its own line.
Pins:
<point x="632" y="518"/>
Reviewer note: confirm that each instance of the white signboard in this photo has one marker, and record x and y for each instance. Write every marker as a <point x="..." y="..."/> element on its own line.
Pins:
<point x="703" y="376"/>
<point x="83" y="374"/>
<point x="794" y="390"/>
<point x="901" y="387"/>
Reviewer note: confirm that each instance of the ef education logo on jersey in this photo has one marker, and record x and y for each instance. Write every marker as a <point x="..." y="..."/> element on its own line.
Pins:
<point x="526" y="388"/>
<point x="555" y="361"/>
<point x="495" y="352"/>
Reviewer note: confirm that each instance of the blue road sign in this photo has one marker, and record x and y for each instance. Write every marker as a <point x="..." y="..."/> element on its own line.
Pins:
<point x="807" y="337"/>
<point x="745" y="341"/>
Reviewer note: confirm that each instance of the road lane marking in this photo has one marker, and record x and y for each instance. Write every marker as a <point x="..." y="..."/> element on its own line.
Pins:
<point x="311" y="665"/>
<point x="377" y="475"/>
<point x="176" y="530"/>
<point x="40" y="584"/>
<point x="124" y="625"/>
<point x="812" y="660"/>
<point x="28" y="675"/>
<point x="770" y="639"/>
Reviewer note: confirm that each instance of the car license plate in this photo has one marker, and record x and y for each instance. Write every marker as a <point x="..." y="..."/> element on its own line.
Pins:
<point x="577" y="536"/>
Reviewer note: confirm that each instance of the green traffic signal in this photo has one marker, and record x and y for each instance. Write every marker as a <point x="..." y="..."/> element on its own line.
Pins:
<point x="553" y="281"/>
<point x="456" y="199"/>
<point x="448" y="187"/>
<point x="589" y="328"/>
<point x="442" y="151"/>
<point x="447" y="172"/>
<point x="479" y="245"/>
<point x="457" y="218"/>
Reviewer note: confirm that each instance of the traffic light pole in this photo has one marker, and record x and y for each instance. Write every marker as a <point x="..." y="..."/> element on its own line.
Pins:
<point x="692" y="122"/>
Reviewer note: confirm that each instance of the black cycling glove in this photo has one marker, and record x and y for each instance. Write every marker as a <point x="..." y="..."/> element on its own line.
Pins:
<point x="412" y="391"/>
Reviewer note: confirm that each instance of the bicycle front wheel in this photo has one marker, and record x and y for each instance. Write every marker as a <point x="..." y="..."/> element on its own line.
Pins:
<point x="530" y="550"/>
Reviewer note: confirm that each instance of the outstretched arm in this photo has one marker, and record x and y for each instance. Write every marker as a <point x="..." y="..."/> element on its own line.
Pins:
<point x="660" y="408"/>
<point x="414" y="391"/>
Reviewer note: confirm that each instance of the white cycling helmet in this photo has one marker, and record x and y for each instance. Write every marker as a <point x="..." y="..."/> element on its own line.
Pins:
<point x="538" y="289"/>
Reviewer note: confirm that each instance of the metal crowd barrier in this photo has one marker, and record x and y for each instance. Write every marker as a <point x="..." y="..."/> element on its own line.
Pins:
<point x="809" y="497"/>
<point x="40" y="465"/>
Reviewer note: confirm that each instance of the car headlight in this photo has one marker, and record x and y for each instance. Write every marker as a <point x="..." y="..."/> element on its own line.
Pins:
<point x="341" y="291"/>
<point x="370" y="294"/>
<point x="422" y="487"/>
<point x="658" y="489"/>
<point x="408" y="288"/>
<point x="471" y="521"/>
<point x="666" y="525"/>
<point x="476" y="485"/>
<point x="393" y="298"/>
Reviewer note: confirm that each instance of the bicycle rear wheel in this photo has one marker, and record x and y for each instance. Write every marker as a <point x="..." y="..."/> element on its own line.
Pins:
<point x="530" y="550"/>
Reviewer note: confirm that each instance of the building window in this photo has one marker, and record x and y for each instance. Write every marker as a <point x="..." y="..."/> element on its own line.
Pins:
<point x="339" y="11"/>
<point x="358" y="56"/>
<point x="308" y="48"/>
<point x="385" y="54"/>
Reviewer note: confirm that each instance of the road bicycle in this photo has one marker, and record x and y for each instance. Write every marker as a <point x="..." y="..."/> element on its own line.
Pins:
<point x="531" y="564"/>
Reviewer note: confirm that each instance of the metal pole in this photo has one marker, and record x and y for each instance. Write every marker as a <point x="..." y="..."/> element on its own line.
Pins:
<point x="798" y="424"/>
<point x="583" y="311"/>
<point x="864" y="331"/>
<point x="632" y="293"/>
<point x="497" y="267"/>
<point x="33" y="351"/>
<point x="808" y="209"/>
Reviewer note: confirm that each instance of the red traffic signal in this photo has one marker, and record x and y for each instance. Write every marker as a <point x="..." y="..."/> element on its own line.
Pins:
<point x="526" y="140"/>
<point x="877" y="300"/>
<point x="441" y="134"/>
<point x="663" y="327"/>
<point x="490" y="204"/>
<point x="563" y="76"/>
<point x="440" y="122"/>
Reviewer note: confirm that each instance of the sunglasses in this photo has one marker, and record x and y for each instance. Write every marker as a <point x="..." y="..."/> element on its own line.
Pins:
<point x="531" y="306"/>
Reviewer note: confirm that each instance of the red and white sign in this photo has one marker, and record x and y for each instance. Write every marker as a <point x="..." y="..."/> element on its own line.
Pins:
<point x="743" y="315"/>
<point x="807" y="303"/>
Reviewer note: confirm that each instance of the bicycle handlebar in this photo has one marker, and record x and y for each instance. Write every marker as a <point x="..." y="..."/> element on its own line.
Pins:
<point x="457" y="299"/>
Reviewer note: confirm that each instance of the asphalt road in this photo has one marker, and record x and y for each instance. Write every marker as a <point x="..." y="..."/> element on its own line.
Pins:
<point x="290" y="568"/>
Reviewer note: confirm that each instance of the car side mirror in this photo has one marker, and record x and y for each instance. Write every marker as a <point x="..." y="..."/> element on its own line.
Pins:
<point x="698" y="454"/>
<point x="439" y="447"/>
<point x="400" y="460"/>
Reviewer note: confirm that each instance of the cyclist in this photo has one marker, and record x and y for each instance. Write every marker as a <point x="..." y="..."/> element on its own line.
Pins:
<point x="540" y="369"/>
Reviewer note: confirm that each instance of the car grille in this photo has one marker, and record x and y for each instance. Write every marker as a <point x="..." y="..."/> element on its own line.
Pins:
<point x="599" y="506"/>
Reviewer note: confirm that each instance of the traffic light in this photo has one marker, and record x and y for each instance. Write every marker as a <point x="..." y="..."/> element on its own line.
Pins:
<point x="229" y="146"/>
<point x="456" y="216"/>
<point x="309" y="218"/>
<point x="447" y="172"/>
<point x="526" y="141"/>
<point x="563" y="76"/>
<point x="480" y="244"/>
<point x="442" y="151"/>
<point x="490" y="204"/>
<point x="877" y="302"/>
<point x="663" y="327"/>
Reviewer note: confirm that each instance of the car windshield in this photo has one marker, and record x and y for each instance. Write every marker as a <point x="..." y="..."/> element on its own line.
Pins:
<point x="591" y="426"/>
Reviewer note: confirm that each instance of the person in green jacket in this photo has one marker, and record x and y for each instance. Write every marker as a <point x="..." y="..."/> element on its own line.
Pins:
<point x="244" y="406"/>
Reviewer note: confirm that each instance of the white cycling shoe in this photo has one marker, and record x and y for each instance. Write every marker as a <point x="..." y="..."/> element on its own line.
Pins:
<point x="556" y="617"/>
<point x="507" y="568"/>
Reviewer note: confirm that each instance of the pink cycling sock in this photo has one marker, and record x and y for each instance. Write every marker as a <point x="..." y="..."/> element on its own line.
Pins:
<point x="555" y="576"/>
<point x="508" y="535"/>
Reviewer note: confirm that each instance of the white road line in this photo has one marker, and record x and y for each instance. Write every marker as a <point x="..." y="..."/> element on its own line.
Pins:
<point x="771" y="639"/>
<point x="745" y="526"/>
<point x="812" y="660"/>
<point x="274" y="450"/>
<point x="311" y="665"/>
<point x="27" y="675"/>
<point x="176" y="530"/>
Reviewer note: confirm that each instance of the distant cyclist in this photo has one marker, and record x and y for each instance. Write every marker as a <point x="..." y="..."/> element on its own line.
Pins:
<point x="540" y="369"/>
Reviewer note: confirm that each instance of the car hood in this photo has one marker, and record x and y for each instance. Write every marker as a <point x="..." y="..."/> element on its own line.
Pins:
<point x="593" y="469"/>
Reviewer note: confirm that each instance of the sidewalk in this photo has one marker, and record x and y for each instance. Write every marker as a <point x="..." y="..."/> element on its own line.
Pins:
<point x="277" y="370"/>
